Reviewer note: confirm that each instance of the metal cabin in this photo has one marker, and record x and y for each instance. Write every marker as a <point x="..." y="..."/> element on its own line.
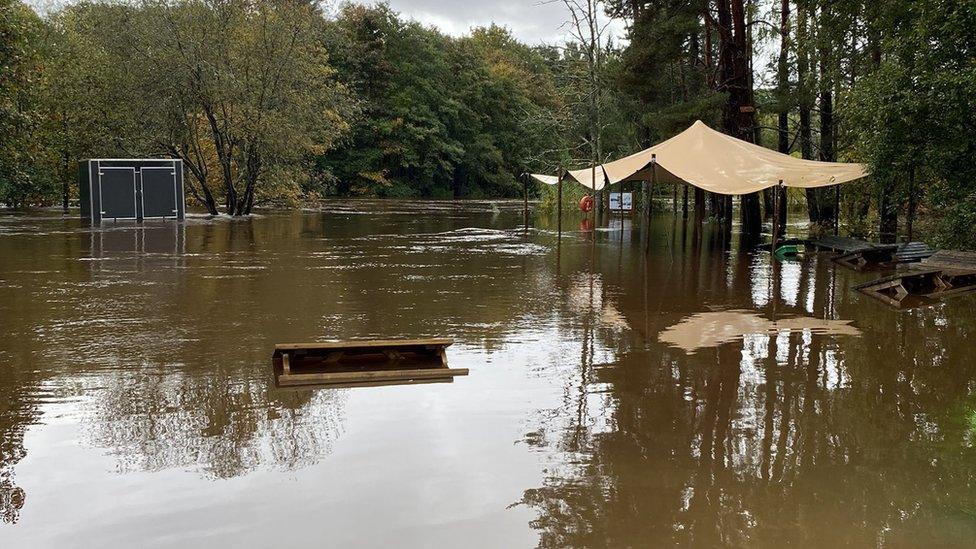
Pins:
<point x="115" y="188"/>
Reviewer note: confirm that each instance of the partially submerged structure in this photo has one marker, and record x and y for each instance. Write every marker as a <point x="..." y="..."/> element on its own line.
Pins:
<point x="944" y="274"/>
<point x="861" y="255"/>
<point x="363" y="363"/>
<point x="717" y="163"/>
<point x="712" y="161"/>
<point x="141" y="188"/>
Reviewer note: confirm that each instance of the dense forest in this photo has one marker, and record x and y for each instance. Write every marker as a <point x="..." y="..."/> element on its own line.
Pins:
<point x="281" y="101"/>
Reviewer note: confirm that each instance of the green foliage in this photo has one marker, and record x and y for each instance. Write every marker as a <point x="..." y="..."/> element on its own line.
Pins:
<point x="268" y="100"/>
<point x="22" y="177"/>
<point x="661" y="69"/>
<point x="916" y="113"/>
<point x="441" y="116"/>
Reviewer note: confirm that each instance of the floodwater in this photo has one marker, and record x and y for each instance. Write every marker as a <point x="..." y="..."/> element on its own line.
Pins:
<point x="699" y="395"/>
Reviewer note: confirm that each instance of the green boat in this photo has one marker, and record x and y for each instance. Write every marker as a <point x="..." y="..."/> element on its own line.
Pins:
<point x="787" y="251"/>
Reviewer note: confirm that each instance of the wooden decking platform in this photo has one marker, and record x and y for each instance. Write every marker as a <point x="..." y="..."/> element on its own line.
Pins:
<point x="943" y="274"/>
<point x="951" y="260"/>
<point x="363" y="363"/>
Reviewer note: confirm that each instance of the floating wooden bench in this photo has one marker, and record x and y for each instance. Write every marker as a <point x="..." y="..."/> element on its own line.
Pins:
<point x="943" y="274"/>
<point x="363" y="363"/>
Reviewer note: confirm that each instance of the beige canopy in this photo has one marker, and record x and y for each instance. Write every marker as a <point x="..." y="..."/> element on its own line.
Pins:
<point x="718" y="163"/>
<point x="545" y="179"/>
<point x="582" y="177"/>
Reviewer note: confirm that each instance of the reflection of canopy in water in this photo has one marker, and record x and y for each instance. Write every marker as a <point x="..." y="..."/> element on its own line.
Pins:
<point x="712" y="329"/>
<point x="715" y="162"/>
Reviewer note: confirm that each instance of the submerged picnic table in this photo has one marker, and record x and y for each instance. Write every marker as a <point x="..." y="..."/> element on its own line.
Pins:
<point x="860" y="254"/>
<point x="363" y="362"/>
<point x="943" y="274"/>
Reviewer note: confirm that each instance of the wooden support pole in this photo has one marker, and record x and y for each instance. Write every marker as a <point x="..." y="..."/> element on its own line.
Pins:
<point x="559" y="204"/>
<point x="620" y="203"/>
<point x="650" y="203"/>
<point x="650" y="197"/>
<point x="776" y="190"/>
<point x="836" y="210"/>
<point x="786" y="208"/>
<point x="684" y="202"/>
<point x="674" y="202"/>
<point x="593" y="195"/>
<point x="525" y="194"/>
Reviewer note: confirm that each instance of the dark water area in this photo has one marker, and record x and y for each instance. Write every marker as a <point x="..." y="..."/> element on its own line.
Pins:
<point x="697" y="395"/>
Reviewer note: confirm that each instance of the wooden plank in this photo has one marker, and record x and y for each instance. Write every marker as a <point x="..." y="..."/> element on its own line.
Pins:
<point x="365" y="344"/>
<point x="899" y="276"/>
<point x="362" y="377"/>
<point x="390" y="383"/>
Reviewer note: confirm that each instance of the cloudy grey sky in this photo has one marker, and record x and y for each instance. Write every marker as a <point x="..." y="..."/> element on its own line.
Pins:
<point x="531" y="21"/>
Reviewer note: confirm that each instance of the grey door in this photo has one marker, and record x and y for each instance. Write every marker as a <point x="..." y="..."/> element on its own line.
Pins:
<point x="159" y="192"/>
<point x="117" y="192"/>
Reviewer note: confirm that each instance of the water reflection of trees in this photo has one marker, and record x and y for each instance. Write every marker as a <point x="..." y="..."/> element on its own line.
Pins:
<point x="23" y="376"/>
<point x="162" y="335"/>
<point x="220" y="426"/>
<point x="773" y="440"/>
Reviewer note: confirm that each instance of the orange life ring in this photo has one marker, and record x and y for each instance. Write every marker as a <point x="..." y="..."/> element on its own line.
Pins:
<point x="586" y="204"/>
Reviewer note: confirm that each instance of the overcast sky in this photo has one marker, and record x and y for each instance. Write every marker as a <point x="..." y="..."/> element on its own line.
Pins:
<point x="531" y="21"/>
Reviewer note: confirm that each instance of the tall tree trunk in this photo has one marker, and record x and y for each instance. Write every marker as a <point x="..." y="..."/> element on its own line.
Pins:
<point x="64" y="181"/>
<point x="783" y="77"/>
<point x="783" y="100"/>
<point x="708" y="54"/>
<point x="912" y="205"/>
<point x="738" y="117"/>
<point x="828" y="213"/>
<point x="699" y="206"/>
<point x="597" y="104"/>
<point x="198" y="171"/>
<point x="684" y="203"/>
<point x="888" y="212"/>
<point x="805" y="99"/>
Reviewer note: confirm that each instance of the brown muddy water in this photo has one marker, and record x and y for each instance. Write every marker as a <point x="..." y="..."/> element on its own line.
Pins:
<point x="700" y="397"/>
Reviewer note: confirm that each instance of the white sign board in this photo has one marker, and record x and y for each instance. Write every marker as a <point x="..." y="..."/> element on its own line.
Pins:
<point x="621" y="202"/>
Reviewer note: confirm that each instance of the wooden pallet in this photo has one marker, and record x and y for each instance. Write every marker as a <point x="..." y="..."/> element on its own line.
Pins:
<point x="363" y="363"/>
